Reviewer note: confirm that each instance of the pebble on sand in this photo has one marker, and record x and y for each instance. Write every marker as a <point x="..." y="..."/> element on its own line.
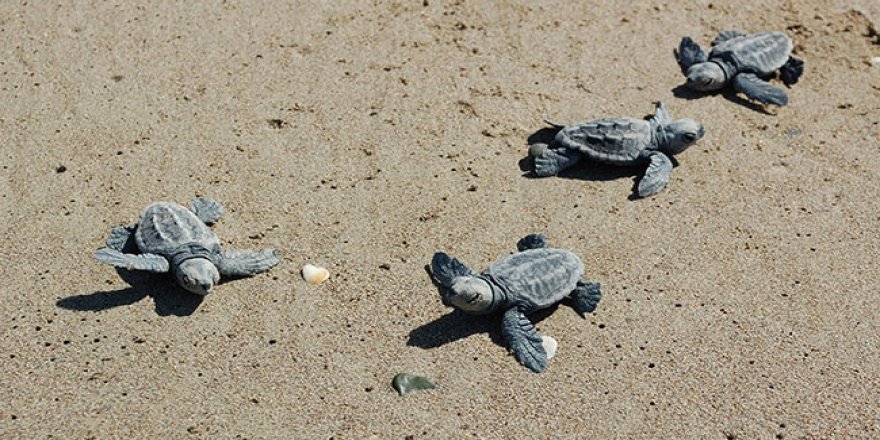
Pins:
<point x="550" y="346"/>
<point x="405" y="383"/>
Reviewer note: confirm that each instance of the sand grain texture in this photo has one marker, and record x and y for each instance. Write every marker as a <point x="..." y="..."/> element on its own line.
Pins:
<point x="741" y="302"/>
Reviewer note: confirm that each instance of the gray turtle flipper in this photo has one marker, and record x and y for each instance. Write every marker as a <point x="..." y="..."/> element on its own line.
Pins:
<point x="121" y="239"/>
<point x="555" y="125"/>
<point x="657" y="175"/>
<point x="146" y="262"/>
<point x="445" y="268"/>
<point x="689" y="53"/>
<point x="207" y="209"/>
<point x="531" y="241"/>
<point x="554" y="160"/>
<point x="523" y="340"/>
<point x="585" y="297"/>
<point x="756" y="88"/>
<point x="791" y="71"/>
<point x="726" y="35"/>
<point x="661" y="115"/>
<point x="240" y="263"/>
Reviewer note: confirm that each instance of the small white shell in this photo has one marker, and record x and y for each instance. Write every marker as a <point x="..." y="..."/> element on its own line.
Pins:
<point x="315" y="274"/>
<point x="550" y="346"/>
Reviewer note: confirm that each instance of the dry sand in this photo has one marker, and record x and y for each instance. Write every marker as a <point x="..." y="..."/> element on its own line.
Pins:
<point x="741" y="302"/>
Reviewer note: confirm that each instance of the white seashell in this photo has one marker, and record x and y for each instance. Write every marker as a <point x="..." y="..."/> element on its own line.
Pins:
<point x="550" y="346"/>
<point x="314" y="274"/>
<point x="875" y="61"/>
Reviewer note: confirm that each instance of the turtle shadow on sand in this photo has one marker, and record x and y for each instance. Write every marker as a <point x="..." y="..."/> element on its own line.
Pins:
<point x="169" y="299"/>
<point x="585" y="169"/>
<point x="682" y="91"/>
<point x="459" y="325"/>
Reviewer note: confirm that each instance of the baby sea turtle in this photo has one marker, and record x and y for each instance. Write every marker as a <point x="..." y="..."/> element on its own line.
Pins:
<point x="170" y="237"/>
<point x="743" y="61"/>
<point x="532" y="279"/>
<point x="621" y="141"/>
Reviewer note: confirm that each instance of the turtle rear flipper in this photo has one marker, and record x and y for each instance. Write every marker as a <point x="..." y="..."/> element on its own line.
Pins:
<point x="554" y="160"/>
<point x="207" y="210"/>
<point x="657" y="175"/>
<point x="555" y="125"/>
<point x="146" y="262"/>
<point x="121" y="239"/>
<point x="791" y="71"/>
<point x="585" y="297"/>
<point x="238" y="263"/>
<point x="726" y="35"/>
<point x="531" y="241"/>
<point x="445" y="268"/>
<point x="756" y="88"/>
<point x="689" y="53"/>
<point x="523" y="340"/>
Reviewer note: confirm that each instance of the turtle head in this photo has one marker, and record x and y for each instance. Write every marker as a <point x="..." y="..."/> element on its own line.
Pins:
<point x="470" y="295"/>
<point x="197" y="275"/>
<point x="706" y="77"/>
<point x="681" y="134"/>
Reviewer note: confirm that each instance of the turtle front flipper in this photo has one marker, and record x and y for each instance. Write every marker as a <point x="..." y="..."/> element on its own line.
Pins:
<point x="726" y="35"/>
<point x="585" y="297"/>
<point x="531" y="241"/>
<point x="554" y="160"/>
<point x="239" y="263"/>
<point x="791" y="71"/>
<point x="445" y="268"/>
<point x="689" y="53"/>
<point x="657" y="175"/>
<point x="523" y="340"/>
<point x="756" y="88"/>
<point x="146" y="262"/>
<point x="207" y="209"/>
<point x="661" y="115"/>
<point x="121" y="239"/>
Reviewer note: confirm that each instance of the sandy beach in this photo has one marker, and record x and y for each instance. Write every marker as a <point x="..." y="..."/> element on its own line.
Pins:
<point x="741" y="302"/>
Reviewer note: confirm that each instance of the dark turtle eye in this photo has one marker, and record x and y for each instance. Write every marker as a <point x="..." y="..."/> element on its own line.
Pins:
<point x="690" y="137"/>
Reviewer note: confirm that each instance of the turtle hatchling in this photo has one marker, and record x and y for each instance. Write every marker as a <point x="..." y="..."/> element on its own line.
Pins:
<point x="170" y="237"/>
<point x="743" y="61"/>
<point x="621" y="141"/>
<point x="532" y="279"/>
